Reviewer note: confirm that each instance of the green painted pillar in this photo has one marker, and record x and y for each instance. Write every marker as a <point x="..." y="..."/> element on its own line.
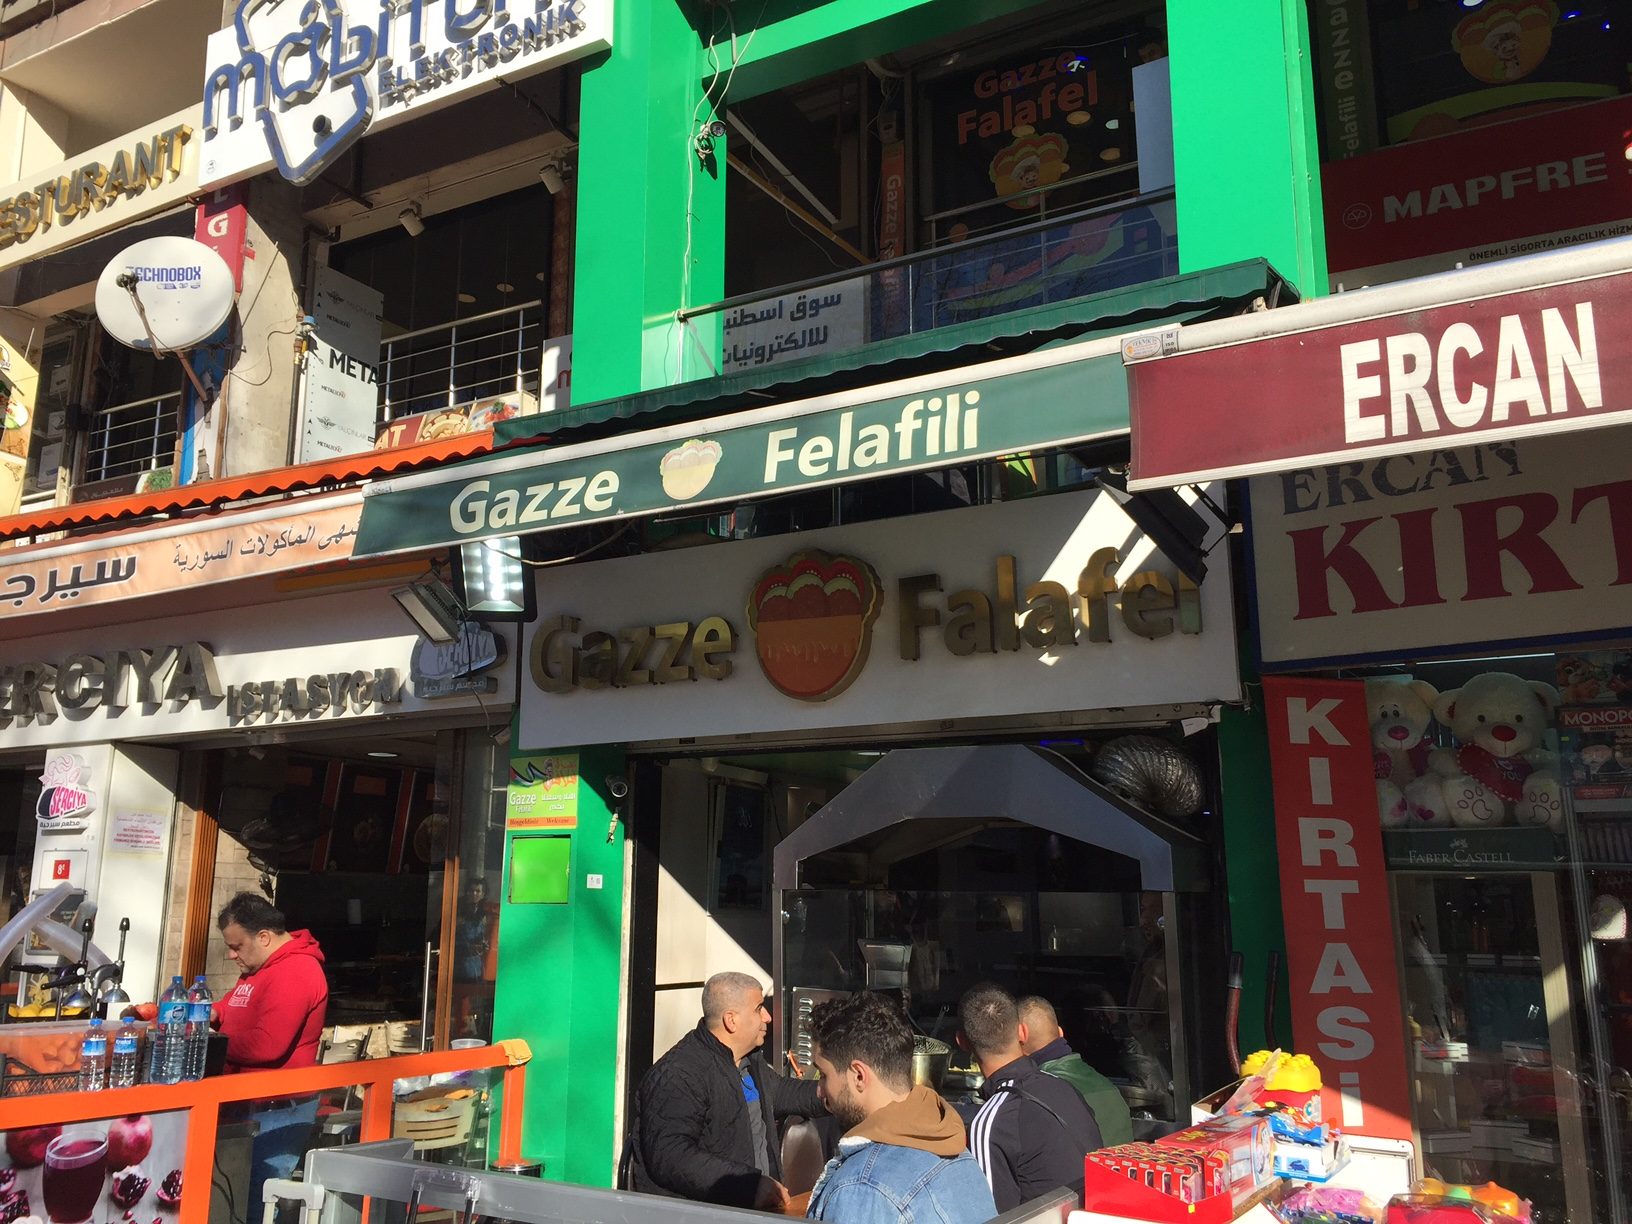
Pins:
<point x="651" y="217"/>
<point x="559" y="985"/>
<point x="1254" y="874"/>
<point x="1245" y="144"/>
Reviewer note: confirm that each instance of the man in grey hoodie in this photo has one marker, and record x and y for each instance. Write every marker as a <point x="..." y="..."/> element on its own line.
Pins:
<point x="902" y="1158"/>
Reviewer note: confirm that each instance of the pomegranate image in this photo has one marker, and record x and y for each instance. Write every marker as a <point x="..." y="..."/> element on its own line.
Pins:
<point x="26" y="1147"/>
<point x="129" y="1185"/>
<point x="130" y="1139"/>
<point x="169" y="1191"/>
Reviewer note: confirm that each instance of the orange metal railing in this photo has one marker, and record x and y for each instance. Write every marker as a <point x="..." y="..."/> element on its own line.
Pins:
<point x="202" y="1100"/>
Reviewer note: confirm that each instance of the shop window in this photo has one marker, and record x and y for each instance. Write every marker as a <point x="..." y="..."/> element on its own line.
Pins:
<point x="1508" y="835"/>
<point x="132" y="417"/>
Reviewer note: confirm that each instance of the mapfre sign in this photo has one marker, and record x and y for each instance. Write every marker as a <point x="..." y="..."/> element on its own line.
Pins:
<point x="293" y="85"/>
<point x="1497" y="366"/>
<point x="1482" y="544"/>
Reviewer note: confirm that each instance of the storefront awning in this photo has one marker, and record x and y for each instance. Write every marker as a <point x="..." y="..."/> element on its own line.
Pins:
<point x="1535" y="345"/>
<point x="1057" y="394"/>
<point x="935" y="789"/>
<point x="1194" y="295"/>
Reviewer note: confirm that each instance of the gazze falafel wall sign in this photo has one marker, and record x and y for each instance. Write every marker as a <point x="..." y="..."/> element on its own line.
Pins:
<point x="1047" y="605"/>
<point x="1023" y="403"/>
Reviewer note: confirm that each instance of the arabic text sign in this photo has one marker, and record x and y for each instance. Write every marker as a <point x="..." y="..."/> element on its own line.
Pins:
<point x="972" y="414"/>
<point x="1540" y="360"/>
<point x="543" y="792"/>
<point x="95" y="575"/>
<point x="826" y="320"/>
<point x="281" y="92"/>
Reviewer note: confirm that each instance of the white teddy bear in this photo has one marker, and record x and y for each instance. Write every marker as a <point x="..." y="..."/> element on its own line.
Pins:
<point x="1400" y="711"/>
<point x="1501" y="766"/>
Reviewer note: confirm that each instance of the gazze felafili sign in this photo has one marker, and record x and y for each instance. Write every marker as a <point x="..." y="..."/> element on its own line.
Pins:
<point x="292" y="86"/>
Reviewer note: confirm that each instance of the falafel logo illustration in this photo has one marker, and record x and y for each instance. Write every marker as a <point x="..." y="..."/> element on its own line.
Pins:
<point x="1032" y="161"/>
<point x="1507" y="40"/>
<point x="687" y="469"/>
<point x="812" y="618"/>
<point x="65" y="801"/>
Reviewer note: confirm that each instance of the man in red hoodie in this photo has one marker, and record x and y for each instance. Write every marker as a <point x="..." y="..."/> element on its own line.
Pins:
<point x="272" y="1019"/>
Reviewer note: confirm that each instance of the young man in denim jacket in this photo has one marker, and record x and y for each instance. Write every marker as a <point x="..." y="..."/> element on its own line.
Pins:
<point x="902" y="1159"/>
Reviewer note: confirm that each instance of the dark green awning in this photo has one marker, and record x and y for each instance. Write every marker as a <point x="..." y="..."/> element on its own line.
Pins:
<point x="1187" y="298"/>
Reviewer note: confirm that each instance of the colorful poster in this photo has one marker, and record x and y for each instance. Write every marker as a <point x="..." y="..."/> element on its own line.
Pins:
<point x="1344" y="978"/>
<point x="1595" y="731"/>
<point x="117" y="1169"/>
<point x="543" y="792"/>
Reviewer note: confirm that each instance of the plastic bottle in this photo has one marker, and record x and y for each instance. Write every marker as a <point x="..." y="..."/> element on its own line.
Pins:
<point x="167" y="1048"/>
<point x="93" y="1059"/>
<point x="124" y="1068"/>
<point x="197" y="1039"/>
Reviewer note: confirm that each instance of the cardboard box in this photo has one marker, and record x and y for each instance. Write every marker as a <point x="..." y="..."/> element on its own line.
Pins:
<point x="1237" y="1146"/>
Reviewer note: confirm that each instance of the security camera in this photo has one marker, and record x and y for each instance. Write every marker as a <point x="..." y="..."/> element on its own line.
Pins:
<point x="617" y="786"/>
<point x="716" y="129"/>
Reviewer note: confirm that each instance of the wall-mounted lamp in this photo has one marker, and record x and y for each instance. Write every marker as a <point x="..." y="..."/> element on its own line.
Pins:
<point x="1176" y="529"/>
<point x="550" y="175"/>
<point x="431" y="604"/>
<point x="412" y="220"/>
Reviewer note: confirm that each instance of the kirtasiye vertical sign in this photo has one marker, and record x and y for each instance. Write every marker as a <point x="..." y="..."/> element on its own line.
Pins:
<point x="292" y="85"/>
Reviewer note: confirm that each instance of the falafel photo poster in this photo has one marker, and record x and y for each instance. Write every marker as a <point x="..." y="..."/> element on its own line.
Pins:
<point x="110" y="1171"/>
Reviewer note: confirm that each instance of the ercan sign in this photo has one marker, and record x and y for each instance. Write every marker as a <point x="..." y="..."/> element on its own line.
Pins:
<point x="293" y="85"/>
<point x="1535" y="361"/>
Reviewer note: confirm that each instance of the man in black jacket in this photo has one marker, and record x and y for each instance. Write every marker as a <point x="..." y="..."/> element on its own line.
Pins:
<point x="706" y="1113"/>
<point x="1031" y="1130"/>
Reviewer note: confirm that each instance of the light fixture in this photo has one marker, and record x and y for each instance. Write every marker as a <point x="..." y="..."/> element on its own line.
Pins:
<point x="505" y="287"/>
<point x="1176" y="529"/>
<point x="411" y="220"/>
<point x="550" y="175"/>
<point x="433" y="608"/>
<point x="466" y="299"/>
<point x="492" y="582"/>
<point x="384" y="756"/>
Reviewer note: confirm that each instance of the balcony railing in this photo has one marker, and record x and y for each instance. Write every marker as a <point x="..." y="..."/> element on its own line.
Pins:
<point x="1052" y="261"/>
<point x="129" y="439"/>
<point x="453" y="364"/>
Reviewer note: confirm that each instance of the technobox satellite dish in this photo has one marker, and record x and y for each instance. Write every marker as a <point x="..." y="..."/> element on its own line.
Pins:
<point x="173" y="291"/>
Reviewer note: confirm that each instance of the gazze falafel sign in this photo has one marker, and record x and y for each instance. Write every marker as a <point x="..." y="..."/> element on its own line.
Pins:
<point x="1043" y="605"/>
<point x="1062" y="396"/>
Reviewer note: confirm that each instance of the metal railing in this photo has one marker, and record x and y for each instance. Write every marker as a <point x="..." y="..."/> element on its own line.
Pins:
<point x="1056" y="260"/>
<point x="497" y="353"/>
<point x="132" y="438"/>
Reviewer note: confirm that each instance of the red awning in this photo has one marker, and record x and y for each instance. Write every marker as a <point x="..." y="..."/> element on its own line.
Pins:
<point x="352" y="469"/>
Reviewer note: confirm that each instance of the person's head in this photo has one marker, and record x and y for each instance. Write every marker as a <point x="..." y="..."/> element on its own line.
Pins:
<point x="990" y="1025"/>
<point x="734" y="1011"/>
<point x="863" y="1048"/>
<point x="253" y="929"/>
<point x="1039" y="1024"/>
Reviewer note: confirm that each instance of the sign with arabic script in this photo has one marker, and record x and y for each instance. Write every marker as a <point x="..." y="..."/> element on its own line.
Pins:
<point x="825" y="320"/>
<point x="148" y="563"/>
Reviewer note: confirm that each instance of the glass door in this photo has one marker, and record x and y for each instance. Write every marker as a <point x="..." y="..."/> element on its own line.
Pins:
<point x="1496" y="1061"/>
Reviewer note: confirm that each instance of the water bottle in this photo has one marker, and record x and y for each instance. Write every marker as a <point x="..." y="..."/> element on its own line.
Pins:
<point x="197" y="1040"/>
<point x="167" y="1050"/>
<point x="125" y="1065"/>
<point x="93" y="1059"/>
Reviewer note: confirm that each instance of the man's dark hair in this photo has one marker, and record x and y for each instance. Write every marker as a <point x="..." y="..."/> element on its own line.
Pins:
<point x="254" y="913"/>
<point x="865" y="1028"/>
<point x="989" y="1018"/>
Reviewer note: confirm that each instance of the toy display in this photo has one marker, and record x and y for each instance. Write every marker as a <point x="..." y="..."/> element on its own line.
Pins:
<point x="1500" y="772"/>
<point x="1401" y="713"/>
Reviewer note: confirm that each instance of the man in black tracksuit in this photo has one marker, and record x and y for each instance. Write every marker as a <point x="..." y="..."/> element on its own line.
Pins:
<point x="1032" y="1130"/>
<point x="706" y="1113"/>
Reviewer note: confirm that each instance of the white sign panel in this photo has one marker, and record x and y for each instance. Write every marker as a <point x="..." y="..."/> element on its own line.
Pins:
<point x="1050" y="605"/>
<point x="340" y="384"/>
<point x="292" y="86"/>
<point x="1414" y="554"/>
<point x="826" y="320"/>
<point x="329" y="661"/>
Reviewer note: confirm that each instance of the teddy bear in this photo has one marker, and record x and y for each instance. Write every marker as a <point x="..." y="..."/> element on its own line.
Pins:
<point x="1400" y="711"/>
<point x="1501" y="767"/>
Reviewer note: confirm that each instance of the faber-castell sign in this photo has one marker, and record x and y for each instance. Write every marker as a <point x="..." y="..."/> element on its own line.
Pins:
<point x="293" y="85"/>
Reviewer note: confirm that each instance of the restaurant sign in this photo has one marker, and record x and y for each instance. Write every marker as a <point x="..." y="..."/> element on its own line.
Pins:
<point x="916" y="424"/>
<point x="1509" y="365"/>
<point x="293" y="86"/>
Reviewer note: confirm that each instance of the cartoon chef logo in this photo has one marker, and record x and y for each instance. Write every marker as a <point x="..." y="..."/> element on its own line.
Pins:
<point x="1507" y="40"/>
<point x="65" y="802"/>
<point x="812" y="618"/>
